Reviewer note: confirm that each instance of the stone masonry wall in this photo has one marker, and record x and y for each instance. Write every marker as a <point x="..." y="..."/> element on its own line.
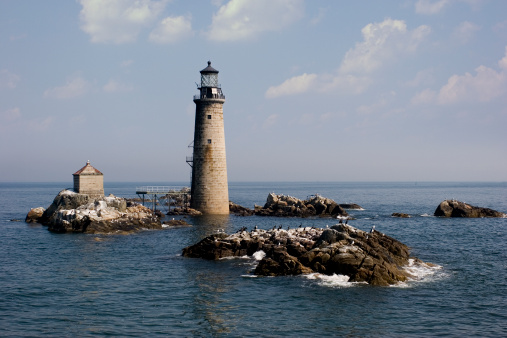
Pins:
<point x="92" y="185"/>
<point x="210" y="190"/>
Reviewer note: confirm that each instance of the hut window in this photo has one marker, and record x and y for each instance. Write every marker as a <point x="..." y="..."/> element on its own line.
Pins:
<point x="209" y="141"/>
<point x="209" y="117"/>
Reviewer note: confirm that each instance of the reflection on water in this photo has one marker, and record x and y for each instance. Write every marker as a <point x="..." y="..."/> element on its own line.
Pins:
<point x="206" y="225"/>
<point x="210" y="305"/>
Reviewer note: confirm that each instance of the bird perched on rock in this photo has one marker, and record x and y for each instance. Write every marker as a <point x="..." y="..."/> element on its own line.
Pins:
<point x="372" y="229"/>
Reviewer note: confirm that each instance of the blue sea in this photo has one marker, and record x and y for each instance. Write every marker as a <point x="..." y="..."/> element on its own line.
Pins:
<point x="139" y="285"/>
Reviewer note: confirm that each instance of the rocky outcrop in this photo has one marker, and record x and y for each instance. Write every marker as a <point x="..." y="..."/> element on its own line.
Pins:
<point x="73" y="212"/>
<point x="176" y="223"/>
<point x="288" y="206"/>
<point x="184" y="211"/>
<point x="34" y="215"/>
<point x="453" y="208"/>
<point x="352" y="206"/>
<point x="238" y="210"/>
<point x="400" y="215"/>
<point x="372" y="257"/>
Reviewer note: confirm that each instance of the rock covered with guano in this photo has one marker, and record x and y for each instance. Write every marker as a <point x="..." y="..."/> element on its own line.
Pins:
<point x="78" y="213"/>
<point x="370" y="257"/>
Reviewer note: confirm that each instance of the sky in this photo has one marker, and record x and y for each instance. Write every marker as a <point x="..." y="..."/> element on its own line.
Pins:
<point x="409" y="90"/>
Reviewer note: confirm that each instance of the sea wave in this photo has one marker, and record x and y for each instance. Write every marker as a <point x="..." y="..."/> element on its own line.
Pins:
<point x="334" y="281"/>
<point x="421" y="272"/>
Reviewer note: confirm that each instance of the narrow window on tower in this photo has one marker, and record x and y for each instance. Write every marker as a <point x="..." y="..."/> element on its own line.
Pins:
<point x="209" y="141"/>
<point x="209" y="117"/>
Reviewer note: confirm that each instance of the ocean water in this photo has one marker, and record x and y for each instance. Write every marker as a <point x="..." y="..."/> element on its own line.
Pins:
<point x="139" y="285"/>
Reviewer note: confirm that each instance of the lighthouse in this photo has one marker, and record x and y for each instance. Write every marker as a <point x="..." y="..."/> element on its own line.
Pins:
<point x="210" y="190"/>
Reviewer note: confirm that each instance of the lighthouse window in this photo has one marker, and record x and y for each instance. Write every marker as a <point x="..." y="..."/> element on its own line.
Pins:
<point x="209" y="141"/>
<point x="209" y="117"/>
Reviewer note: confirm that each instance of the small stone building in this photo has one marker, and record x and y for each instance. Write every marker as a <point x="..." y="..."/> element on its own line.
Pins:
<point x="89" y="181"/>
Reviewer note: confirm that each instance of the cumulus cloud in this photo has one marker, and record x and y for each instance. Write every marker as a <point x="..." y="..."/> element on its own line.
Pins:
<point x="465" y="31"/>
<point x="383" y="42"/>
<point x="246" y="19"/>
<point x="74" y="87"/>
<point x="292" y="86"/>
<point x="430" y="7"/>
<point x="114" y="86"/>
<point x="8" y="79"/>
<point x="172" y="29"/>
<point x="118" y="21"/>
<point x="485" y="85"/>
<point x="320" y="83"/>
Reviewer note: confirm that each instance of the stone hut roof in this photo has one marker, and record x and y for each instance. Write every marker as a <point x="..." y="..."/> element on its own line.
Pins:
<point x="87" y="170"/>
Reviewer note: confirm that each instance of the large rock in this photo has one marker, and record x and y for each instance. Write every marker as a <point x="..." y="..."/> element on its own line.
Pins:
<point x="73" y="212"/>
<point x="237" y="209"/>
<point x="373" y="257"/>
<point x="34" y="215"/>
<point x="288" y="206"/>
<point x="453" y="208"/>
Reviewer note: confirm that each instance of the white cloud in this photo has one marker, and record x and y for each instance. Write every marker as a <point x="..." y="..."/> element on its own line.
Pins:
<point x="114" y="86"/>
<point x="503" y="62"/>
<point x="118" y="21"/>
<point x="430" y="7"/>
<point x="172" y="29"/>
<point x="426" y="96"/>
<point x="383" y="42"/>
<point x="423" y="77"/>
<point x="465" y="31"/>
<point x="292" y="86"/>
<point x="485" y="86"/>
<point x="345" y="83"/>
<point x="74" y="87"/>
<point x="10" y="115"/>
<point x="246" y="19"/>
<point x="8" y="79"/>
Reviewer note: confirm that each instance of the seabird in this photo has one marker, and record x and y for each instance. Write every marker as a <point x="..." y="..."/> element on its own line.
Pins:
<point x="372" y="229"/>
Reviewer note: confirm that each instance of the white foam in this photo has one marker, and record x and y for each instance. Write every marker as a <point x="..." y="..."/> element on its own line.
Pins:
<point x="421" y="272"/>
<point x="334" y="281"/>
<point x="426" y="215"/>
<point x="259" y="255"/>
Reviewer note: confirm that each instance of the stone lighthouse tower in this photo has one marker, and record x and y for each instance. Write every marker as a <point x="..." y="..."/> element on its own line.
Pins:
<point x="210" y="190"/>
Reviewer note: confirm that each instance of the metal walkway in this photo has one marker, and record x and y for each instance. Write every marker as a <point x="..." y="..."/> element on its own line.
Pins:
<point x="163" y="191"/>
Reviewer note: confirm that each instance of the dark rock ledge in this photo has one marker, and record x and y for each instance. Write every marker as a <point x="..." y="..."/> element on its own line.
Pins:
<point x="453" y="208"/>
<point x="370" y="257"/>
<point x="288" y="206"/>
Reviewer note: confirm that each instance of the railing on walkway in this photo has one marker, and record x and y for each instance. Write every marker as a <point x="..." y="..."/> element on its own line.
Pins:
<point x="159" y="190"/>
